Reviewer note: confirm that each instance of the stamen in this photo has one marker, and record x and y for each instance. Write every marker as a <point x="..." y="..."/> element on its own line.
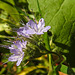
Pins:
<point x="26" y="63"/>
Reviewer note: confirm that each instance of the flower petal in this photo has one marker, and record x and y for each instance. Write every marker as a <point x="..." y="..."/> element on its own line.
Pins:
<point x="23" y="44"/>
<point x="13" y="57"/>
<point x="20" y="59"/>
<point x="39" y="33"/>
<point x="46" y="29"/>
<point x="15" y="51"/>
<point x="32" y="25"/>
<point x="18" y="62"/>
<point x="18" y="46"/>
<point x="41" y="23"/>
<point x="22" y="31"/>
<point x="30" y="31"/>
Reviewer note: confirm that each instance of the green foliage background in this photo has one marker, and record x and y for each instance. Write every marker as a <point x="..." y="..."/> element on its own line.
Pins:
<point x="59" y="14"/>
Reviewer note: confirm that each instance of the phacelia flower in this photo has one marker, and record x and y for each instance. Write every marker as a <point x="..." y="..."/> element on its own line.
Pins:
<point x="16" y="49"/>
<point x="22" y="31"/>
<point x="33" y="28"/>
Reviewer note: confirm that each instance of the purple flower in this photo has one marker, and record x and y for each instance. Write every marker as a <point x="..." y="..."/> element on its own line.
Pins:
<point x="37" y="29"/>
<point x="16" y="49"/>
<point x="33" y="28"/>
<point x="22" y="31"/>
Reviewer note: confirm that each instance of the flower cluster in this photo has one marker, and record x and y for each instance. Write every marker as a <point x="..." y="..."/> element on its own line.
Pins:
<point x="16" y="49"/>
<point x="33" y="28"/>
<point x="28" y="30"/>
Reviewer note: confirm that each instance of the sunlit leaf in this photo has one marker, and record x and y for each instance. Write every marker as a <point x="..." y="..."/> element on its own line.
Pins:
<point x="60" y="15"/>
<point x="3" y="36"/>
<point x="10" y="10"/>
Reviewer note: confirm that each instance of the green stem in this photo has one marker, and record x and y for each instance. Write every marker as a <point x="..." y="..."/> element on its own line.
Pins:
<point x="39" y="8"/>
<point x="50" y="65"/>
<point x="46" y="40"/>
<point x="47" y="45"/>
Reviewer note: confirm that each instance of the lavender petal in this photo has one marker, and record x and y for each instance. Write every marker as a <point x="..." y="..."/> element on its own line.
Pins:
<point x="31" y="31"/>
<point x="46" y="29"/>
<point x="41" y="23"/>
<point x="13" y="58"/>
<point x="19" y="60"/>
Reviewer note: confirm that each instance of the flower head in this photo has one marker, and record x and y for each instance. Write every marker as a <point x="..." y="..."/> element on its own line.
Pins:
<point x="37" y="28"/>
<point x="16" y="49"/>
<point x="33" y="28"/>
<point x="22" y="31"/>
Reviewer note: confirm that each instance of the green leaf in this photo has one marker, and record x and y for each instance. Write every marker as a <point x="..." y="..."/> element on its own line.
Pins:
<point x="33" y="5"/>
<point x="2" y="27"/>
<point x="11" y="1"/>
<point x="64" y="69"/>
<point x="60" y="15"/>
<point x="23" y="1"/>
<point x="73" y="69"/>
<point x="3" y="15"/>
<point x="6" y="28"/>
<point x="10" y="10"/>
<point x="46" y="40"/>
<point x="19" y="68"/>
<point x="30" y="69"/>
<point x="2" y="70"/>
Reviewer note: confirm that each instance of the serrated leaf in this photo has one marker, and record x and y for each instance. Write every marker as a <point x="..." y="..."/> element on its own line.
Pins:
<point x="60" y="15"/>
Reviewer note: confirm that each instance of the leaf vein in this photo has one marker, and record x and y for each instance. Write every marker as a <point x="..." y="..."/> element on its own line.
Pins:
<point x="57" y="11"/>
